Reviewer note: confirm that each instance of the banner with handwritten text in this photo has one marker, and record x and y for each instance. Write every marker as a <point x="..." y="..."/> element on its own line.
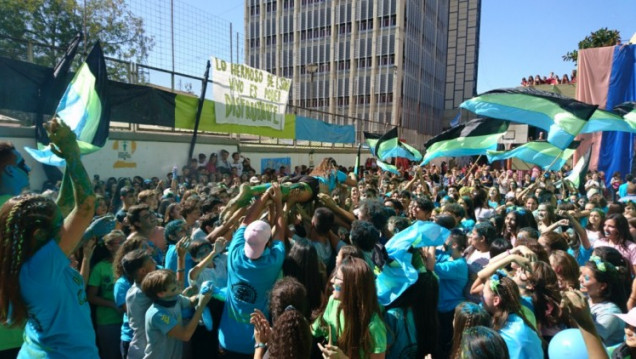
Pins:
<point x="248" y="96"/>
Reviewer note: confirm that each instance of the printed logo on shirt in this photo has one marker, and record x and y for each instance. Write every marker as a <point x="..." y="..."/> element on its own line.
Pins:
<point x="244" y="292"/>
<point x="165" y="319"/>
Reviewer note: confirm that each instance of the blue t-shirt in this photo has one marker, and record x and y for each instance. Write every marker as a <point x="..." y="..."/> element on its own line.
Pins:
<point x="581" y="255"/>
<point x="171" y="261"/>
<point x="331" y="181"/>
<point x="248" y="284"/>
<point x="622" y="190"/>
<point x="401" y="334"/>
<point x="121" y="288"/>
<point x="522" y="341"/>
<point x="453" y="276"/>
<point x="59" y="324"/>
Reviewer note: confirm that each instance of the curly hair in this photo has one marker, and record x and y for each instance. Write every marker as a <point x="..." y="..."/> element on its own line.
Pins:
<point x="20" y="218"/>
<point x="287" y="291"/>
<point x="291" y="336"/>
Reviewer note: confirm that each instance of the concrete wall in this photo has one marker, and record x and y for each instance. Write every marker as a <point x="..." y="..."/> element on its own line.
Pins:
<point x="152" y="154"/>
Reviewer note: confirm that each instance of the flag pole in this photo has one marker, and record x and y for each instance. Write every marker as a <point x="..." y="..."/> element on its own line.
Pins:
<point x="356" y="168"/>
<point x="470" y="170"/>
<point x="199" y="110"/>
<point x="554" y="161"/>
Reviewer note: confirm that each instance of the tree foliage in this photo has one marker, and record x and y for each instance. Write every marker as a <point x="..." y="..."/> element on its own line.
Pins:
<point x="40" y="30"/>
<point x="599" y="38"/>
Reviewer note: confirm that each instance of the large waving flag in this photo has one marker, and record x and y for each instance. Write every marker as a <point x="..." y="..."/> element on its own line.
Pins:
<point x="399" y="273"/>
<point x="474" y="137"/>
<point x="388" y="146"/>
<point x="576" y="178"/>
<point x="542" y="154"/>
<point x="603" y="120"/>
<point x="562" y="117"/>
<point x="83" y="108"/>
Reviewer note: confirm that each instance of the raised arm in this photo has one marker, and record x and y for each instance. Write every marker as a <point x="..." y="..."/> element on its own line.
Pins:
<point x="81" y="215"/>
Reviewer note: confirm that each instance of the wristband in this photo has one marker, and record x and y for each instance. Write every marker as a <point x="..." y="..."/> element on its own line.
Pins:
<point x="260" y="345"/>
<point x="181" y="270"/>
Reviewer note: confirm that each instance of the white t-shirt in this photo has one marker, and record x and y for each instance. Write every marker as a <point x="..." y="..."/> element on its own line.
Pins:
<point x="218" y="274"/>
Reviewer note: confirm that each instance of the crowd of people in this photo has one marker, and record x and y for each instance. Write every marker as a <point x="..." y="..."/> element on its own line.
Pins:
<point x="218" y="261"/>
<point x="552" y="79"/>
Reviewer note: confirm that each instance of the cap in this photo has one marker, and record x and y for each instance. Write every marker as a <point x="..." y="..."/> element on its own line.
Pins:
<point x="257" y="235"/>
<point x="255" y="180"/>
<point x="629" y="318"/>
<point x="167" y="193"/>
<point x="592" y="192"/>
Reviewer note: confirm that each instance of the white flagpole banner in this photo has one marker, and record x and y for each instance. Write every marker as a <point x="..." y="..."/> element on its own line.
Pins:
<point x="247" y="96"/>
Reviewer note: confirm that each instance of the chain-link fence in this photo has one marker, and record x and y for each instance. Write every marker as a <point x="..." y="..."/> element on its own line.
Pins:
<point x="182" y="40"/>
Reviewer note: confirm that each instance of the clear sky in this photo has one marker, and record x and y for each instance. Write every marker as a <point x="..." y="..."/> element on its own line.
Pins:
<point x="528" y="37"/>
<point x="518" y="38"/>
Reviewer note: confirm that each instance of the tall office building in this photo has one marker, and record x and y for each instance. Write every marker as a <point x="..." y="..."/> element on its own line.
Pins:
<point x="384" y="61"/>
<point x="462" y="54"/>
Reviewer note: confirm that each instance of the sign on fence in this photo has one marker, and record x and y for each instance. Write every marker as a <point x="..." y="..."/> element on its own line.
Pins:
<point x="247" y="96"/>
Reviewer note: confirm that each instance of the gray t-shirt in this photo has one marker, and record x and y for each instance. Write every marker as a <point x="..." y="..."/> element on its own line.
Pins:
<point x="136" y="306"/>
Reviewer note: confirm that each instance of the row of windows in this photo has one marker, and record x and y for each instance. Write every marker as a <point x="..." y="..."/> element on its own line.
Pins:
<point x="287" y="4"/>
<point x="346" y="100"/>
<point x="385" y="60"/>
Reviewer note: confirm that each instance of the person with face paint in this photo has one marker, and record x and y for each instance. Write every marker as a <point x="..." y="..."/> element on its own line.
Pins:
<point x="352" y="308"/>
<point x="617" y="235"/>
<point x="606" y="295"/>
<point x="165" y="330"/>
<point x="35" y="243"/>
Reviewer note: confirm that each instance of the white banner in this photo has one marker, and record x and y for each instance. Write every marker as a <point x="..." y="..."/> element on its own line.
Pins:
<point x="247" y="96"/>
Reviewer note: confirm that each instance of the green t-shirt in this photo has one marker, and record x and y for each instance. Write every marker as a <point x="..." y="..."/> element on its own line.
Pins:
<point x="376" y="327"/>
<point x="102" y="277"/>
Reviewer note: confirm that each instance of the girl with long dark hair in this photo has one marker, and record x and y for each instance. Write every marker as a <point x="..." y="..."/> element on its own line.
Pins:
<point x="352" y="314"/>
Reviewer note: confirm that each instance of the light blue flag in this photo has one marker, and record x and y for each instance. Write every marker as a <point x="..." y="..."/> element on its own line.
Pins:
<point x="398" y="274"/>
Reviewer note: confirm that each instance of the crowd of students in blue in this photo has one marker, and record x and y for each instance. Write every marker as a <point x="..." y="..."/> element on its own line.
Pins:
<point x="523" y="270"/>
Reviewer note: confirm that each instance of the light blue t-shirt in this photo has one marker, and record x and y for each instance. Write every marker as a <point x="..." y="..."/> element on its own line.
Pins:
<point x="59" y="324"/>
<point x="522" y="341"/>
<point x="121" y="288"/>
<point x="331" y="181"/>
<point x="622" y="190"/>
<point x="453" y="276"/>
<point x="401" y="334"/>
<point x="171" y="261"/>
<point x="159" y="321"/>
<point x="248" y="284"/>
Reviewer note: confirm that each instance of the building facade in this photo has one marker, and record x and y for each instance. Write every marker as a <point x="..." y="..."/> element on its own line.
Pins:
<point x="462" y="55"/>
<point x="382" y="61"/>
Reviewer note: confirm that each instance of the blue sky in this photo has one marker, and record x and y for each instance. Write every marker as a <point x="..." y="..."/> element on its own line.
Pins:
<point x="518" y="38"/>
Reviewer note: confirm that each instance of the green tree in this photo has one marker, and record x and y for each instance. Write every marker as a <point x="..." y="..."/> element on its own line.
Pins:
<point x="40" y="30"/>
<point x="599" y="38"/>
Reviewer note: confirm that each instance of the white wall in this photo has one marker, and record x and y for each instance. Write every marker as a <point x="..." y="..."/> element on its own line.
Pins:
<point x="152" y="158"/>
